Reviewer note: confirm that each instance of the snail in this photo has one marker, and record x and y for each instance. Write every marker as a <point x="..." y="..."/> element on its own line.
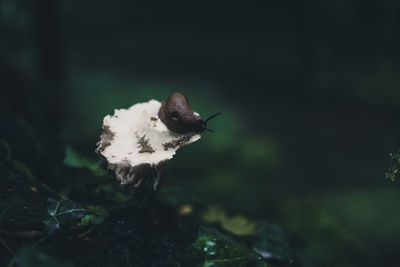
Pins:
<point x="177" y="115"/>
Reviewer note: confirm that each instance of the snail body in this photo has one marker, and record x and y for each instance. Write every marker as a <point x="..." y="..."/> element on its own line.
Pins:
<point x="177" y="115"/>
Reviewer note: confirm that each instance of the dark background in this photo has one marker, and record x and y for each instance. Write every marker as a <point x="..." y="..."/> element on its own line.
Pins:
<point x="308" y="90"/>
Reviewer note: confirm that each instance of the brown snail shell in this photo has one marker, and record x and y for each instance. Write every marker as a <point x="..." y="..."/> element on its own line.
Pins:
<point x="177" y="115"/>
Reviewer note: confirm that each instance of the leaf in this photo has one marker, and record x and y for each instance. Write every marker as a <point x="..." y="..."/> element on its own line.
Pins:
<point x="33" y="257"/>
<point x="62" y="212"/>
<point x="219" y="250"/>
<point x="76" y="160"/>
<point x="52" y="225"/>
<point x="52" y="206"/>
<point x="272" y="244"/>
<point x="238" y="224"/>
<point x="97" y="217"/>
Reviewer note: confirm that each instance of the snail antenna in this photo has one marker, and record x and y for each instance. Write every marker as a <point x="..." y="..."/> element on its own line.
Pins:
<point x="212" y="116"/>
<point x="208" y="129"/>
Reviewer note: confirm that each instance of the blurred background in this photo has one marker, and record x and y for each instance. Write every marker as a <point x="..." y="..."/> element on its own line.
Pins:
<point x="308" y="90"/>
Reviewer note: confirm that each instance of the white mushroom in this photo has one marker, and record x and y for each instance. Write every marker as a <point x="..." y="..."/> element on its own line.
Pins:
<point x="135" y="143"/>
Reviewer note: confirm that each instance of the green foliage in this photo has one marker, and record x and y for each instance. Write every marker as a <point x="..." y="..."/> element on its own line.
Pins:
<point x="349" y="221"/>
<point x="74" y="159"/>
<point x="33" y="257"/>
<point x="97" y="216"/>
<point x="219" y="250"/>
<point x="393" y="172"/>
<point x="62" y="212"/>
<point x="90" y="175"/>
<point x="237" y="224"/>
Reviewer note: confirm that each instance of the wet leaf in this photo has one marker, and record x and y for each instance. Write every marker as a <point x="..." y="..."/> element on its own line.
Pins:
<point x="219" y="250"/>
<point x="272" y="244"/>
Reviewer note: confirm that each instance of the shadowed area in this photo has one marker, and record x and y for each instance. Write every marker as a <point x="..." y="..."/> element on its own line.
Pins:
<point x="293" y="173"/>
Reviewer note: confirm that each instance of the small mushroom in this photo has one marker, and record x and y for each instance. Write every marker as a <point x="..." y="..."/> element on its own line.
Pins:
<point x="135" y="144"/>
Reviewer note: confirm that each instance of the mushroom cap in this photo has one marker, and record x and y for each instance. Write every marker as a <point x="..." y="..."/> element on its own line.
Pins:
<point x="135" y="139"/>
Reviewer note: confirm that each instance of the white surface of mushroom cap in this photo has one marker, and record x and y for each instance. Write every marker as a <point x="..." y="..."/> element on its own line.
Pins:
<point x="136" y="136"/>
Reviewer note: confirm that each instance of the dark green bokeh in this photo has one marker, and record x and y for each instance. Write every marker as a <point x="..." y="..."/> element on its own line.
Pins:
<point x="309" y="98"/>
